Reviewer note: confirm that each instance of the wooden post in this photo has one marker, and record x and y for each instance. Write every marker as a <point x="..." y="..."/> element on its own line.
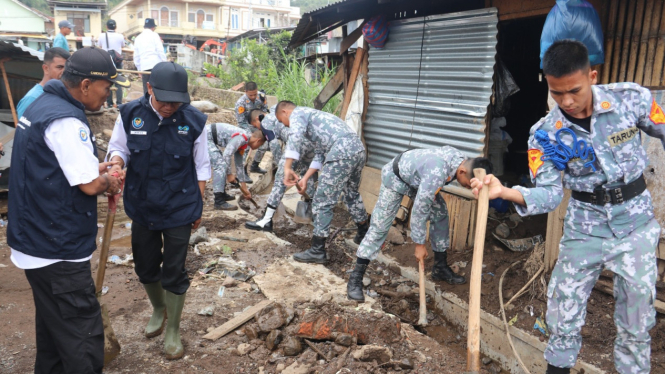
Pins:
<point x="358" y="60"/>
<point x="473" y="341"/>
<point x="625" y="46"/>
<point x="345" y="62"/>
<point x="609" y="41"/>
<point x="651" y="45"/>
<point x="644" y="40"/>
<point x="331" y="89"/>
<point x="635" y="41"/>
<point x="660" y="53"/>
<point x="9" y="90"/>
<point x="618" y="39"/>
<point x="555" y="232"/>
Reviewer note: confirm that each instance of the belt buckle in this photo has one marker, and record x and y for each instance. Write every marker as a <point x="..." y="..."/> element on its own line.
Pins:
<point x="618" y="194"/>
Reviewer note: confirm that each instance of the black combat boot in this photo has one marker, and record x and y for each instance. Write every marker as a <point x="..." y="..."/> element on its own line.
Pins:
<point x="265" y="223"/>
<point x="316" y="253"/>
<point x="221" y="202"/>
<point x="354" y="289"/>
<point x="225" y="196"/>
<point x="362" y="230"/>
<point x="256" y="169"/>
<point x="556" y="370"/>
<point x="441" y="270"/>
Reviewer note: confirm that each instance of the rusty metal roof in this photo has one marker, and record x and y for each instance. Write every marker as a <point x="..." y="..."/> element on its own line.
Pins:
<point x="24" y="62"/>
<point x="322" y="20"/>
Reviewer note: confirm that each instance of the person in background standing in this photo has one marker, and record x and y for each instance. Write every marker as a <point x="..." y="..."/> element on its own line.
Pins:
<point x="148" y="50"/>
<point x="54" y="64"/>
<point x="65" y="29"/>
<point x="112" y="42"/>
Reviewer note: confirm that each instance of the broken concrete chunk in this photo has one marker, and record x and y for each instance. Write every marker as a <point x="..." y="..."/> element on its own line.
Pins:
<point x="251" y="331"/>
<point x="273" y="339"/>
<point x="291" y="346"/>
<point x="296" y="368"/>
<point x="366" y="281"/>
<point x="395" y="236"/>
<point x="487" y="360"/>
<point x="403" y="288"/>
<point x="502" y="231"/>
<point x="204" y="106"/>
<point x="406" y="364"/>
<point x="271" y="318"/>
<point x="229" y="282"/>
<point x="373" y="352"/>
<point x="245" y="348"/>
<point x="345" y="339"/>
<point x="200" y="235"/>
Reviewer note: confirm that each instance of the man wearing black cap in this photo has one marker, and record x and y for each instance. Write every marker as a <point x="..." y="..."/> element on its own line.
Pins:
<point x="113" y="42"/>
<point x="163" y="142"/>
<point x="148" y="50"/>
<point x="54" y="182"/>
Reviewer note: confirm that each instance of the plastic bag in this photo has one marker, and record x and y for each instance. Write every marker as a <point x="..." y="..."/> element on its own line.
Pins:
<point x="504" y="87"/>
<point x="376" y="31"/>
<point x="574" y="19"/>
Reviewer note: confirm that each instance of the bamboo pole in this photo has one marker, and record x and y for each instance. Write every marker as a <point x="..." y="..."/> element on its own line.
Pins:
<point x="618" y="38"/>
<point x="609" y="41"/>
<point x="9" y="91"/>
<point x="635" y="41"/>
<point x="625" y="46"/>
<point x="644" y="42"/>
<point x="660" y="53"/>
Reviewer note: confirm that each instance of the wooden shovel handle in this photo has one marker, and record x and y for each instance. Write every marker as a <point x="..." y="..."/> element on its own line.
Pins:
<point x="301" y="191"/>
<point x="422" y="321"/>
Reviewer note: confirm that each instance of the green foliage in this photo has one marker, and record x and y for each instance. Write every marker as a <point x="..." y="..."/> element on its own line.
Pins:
<point x="40" y="5"/>
<point x="293" y="86"/>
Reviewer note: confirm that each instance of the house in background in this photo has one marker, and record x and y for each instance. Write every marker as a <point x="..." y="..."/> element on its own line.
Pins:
<point x="22" y="24"/>
<point x="203" y="19"/>
<point x="86" y="15"/>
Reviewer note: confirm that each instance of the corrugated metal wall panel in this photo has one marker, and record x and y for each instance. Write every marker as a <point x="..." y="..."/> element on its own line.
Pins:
<point x="439" y="99"/>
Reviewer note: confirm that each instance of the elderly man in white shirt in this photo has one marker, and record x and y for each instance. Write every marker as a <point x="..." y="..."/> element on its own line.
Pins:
<point x="148" y="50"/>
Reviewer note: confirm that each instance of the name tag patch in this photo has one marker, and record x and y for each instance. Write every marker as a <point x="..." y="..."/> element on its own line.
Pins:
<point x="183" y="130"/>
<point x="622" y="136"/>
<point x="138" y="133"/>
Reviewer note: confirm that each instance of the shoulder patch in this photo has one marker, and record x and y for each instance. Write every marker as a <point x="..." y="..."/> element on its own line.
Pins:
<point x="605" y="105"/>
<point x="558" y="125"/>
<point x="657" y="116"/>
<point x="535" y="161"/>
<point x="83" y="134"/>
<point x="241" y="109"/>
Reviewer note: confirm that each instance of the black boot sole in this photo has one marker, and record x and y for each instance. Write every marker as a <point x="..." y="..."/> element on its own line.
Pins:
<point x="449" y="281"/>
<point x="358" y="300"/>
<point x="312" y="261"/>
<point x="258" y="171"/>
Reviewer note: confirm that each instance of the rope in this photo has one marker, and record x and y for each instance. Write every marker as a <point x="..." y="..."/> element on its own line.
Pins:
<point x="505" y="323"/>
<point x="560" y="153"/>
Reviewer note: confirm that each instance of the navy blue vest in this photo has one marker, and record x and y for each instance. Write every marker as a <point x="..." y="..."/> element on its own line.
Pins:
<point x="48" y="218"/>
<point x="161" y="187"/>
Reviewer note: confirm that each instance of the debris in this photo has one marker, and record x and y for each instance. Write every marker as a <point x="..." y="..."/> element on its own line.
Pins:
<point x="100" y="225"/>
<point x="245" y="348"/>
<point x="502" y="231"/>
<point x="296" y="368"/>
<point x="238" y="87"/>
<point x="275" y="239"/>
<point x="373" y="352"/>
<point x="273" y="339"/>
<point x="3" y="266"/>
<point x="115" y="259"/>
<point x="521" y="245"/>
<point x="271" y="318"/>
<point x="403" y="288"/>
<point x="207" y="311"/>
<point x="541" y="326"/>
<point x="199" y="236"/>
<point x="316" y="350"/>
<point x="291" y="346"/>
<point x="105" y="289"/>
<point x="515" y="217"/>
<point x="236" y="322"/>
<point x="221" y="290"/>
<point x="236" y="269"/>
<point x="345" y="340"/>
<point x="230" y="238"/>
<point x="229" y="282"/>
<point x="461" y="264"/>
<point x="372" y="293"/>
<point x="512" y="320"/>
<point x="421" y="357"/>
<point x="205" y="106"/>
<point x="251" y="331"/>
<point x="366" y="281"/>
<point x="487" y="360"/>
<point x="455" y="268"/>
<point x="529" y="309"/>
<point x="395" y="236"/>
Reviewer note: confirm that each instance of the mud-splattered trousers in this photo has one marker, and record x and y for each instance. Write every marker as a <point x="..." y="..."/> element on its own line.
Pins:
<point x="620" y="237"/>
<point x="425" y="172"/>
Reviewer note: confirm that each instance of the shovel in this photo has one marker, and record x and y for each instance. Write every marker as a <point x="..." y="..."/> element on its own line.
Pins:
<point x="246" y="192"/>
<point x="111" y="344"/>
<point x="303" y="209"/>
<point x="422" y="320"/>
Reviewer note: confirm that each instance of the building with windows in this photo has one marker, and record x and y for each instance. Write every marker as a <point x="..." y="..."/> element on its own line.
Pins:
<point x="21" y="24"/>
<point x="86" y="15"/>
<point x="203" y="19"/>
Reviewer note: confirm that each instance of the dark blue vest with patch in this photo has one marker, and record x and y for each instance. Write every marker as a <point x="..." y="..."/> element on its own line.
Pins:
<point x="161" y="187"/>
<point x="48" y="218"/>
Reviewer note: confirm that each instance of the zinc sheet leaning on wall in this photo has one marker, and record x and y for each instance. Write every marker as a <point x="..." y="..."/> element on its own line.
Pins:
<point x="431" y="85"/>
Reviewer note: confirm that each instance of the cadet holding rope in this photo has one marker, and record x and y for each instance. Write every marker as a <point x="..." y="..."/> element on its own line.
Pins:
<point x="593" y="136"/>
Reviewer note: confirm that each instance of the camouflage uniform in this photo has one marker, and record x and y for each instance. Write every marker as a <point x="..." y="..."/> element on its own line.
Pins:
<point x="271" y="123"/>
<point x="243" y="106"/>
<point x="425" y="172"/>
<point x="340" y="157"/>
<point x="221" y="161"/>
<point x="620" y="237"/>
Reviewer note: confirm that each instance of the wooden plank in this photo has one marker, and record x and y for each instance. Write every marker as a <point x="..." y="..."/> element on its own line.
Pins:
<point x="618" y="39"/>
<point x="360" y="56"/>
<point x="660" y="53"/>
<point x="472" y="224"/>
<point x="555" y="231"/>
<point x="364" y="70"/>
<point x="635" y="41"/>
<point x="651" y="45"/>
<point x="459" y="191"/>
<point x="625" y="46"/>
<point x="462" y="229"/>
<point x="236" y="322"/>
<point x="8" y="90"/>
<point x="352" y="38"/>
<point x="644" y="42"/>
<point x="332" y="88"/>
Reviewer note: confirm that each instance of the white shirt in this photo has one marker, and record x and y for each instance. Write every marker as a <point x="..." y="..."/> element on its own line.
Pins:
<point x="116" y="41"/>
<point x="118" y="147"/>
<point x="148" y="50"/>
<point x="71" y="141"/>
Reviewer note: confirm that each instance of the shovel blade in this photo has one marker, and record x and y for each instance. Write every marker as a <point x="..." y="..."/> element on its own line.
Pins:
<point x="303" y="213"/>
<point x="111" y="344"/>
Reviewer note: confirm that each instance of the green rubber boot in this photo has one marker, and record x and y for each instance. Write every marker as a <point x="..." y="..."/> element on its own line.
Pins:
<point x="172" y="343"/>
<point x="158" y="320"/>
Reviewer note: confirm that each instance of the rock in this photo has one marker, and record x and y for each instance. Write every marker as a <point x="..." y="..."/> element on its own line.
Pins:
<point x="251" y="331"/>
<point x="395" y="236"/>
<point x="345" y="339"/>
<point x="586" y="332"/>
<point x="290" y="313"/>
<point x="271" y="318"/>
<point x="373" y="352"/>
<point x="503" y="231"/>
<point x="461" y="264"/>
<point x="273" y="339"/>
<point x="291" y="346"/>
<point x="207" y="311"/>
<point x="245" y="348"/>
<point x="496" y="248"/>
<point x="487" y="360"/>
<point x="404" y="288"/>
<point x="455" y="268"/>
<point x="509" y="307"/>
<point x="366" y="281"/>
<point x="382" y="282"/>
<point x="403" y="305"/>
<point x="200" y="235"/>
<point x="280" y="368"/>
<point x="296" y="368"/>
<point x="107" y="133"/>
<point x="421" y="357"/>
<point x="229" y="282"/>
<point x="406" y="364"/>
<point x="515" y="217"/>
<point x="205" y="106"/>
<point x="494" y="368"/>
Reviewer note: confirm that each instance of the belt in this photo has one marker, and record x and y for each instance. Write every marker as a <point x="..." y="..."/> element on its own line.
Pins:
<point x="614" y="195"/>
<point x="213" y="128"/>
<point x="396" y="167"/>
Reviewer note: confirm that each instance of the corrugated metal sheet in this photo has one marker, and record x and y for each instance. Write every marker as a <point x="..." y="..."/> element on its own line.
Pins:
<point x="435" y="95"/>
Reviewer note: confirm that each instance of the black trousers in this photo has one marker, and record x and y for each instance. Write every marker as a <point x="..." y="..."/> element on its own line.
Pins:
<point x="118" y="97"/>
<point x="68" y="319"/>
<point x="152" y="265"/>
<point x="145" y="78"/>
